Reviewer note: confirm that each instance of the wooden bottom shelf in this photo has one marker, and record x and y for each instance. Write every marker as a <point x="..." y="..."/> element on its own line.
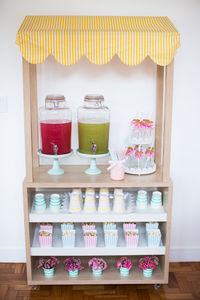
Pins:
<point x="110" y="276"/>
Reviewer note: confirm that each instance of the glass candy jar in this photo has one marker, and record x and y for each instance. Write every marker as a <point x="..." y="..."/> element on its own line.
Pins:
<point x="93" y="125"/>
<point x="55" y="126"/>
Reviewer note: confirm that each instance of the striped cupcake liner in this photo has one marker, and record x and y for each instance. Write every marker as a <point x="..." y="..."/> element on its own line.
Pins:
<point x="132" y="241"/>
<point x="48" y="273"/>
<point x="73" y="273"/>
<point x="45" y="241"/>
<point x="68" y="241"/>
<point x="97" y="272"/>
<point x="90" y="241"/>
<point x="147" y="272"/>
<point x="124" y="271"/>
<point x="40" y="209"/>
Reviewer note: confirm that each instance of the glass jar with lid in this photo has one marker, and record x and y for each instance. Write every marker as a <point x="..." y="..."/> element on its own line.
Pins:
<point x="55" y="120"/>
<point x="93" y="125"/>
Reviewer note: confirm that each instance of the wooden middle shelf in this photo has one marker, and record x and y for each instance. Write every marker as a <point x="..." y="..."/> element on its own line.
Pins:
<point x="74" y="176"/>
<point x="57" y="248"/>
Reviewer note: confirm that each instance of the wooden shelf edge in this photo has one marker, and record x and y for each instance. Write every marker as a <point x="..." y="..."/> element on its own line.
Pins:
<point x="75" y="177"/>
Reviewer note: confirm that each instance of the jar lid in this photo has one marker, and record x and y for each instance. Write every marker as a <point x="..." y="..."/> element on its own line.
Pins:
<point x="94" y="98"/>
<point x="55" y="97"/>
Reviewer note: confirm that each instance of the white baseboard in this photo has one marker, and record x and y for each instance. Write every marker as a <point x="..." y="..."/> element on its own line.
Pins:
<point x="12" y="255"/>
<point x="184" y="254"/>
<point x="176" y="254"/>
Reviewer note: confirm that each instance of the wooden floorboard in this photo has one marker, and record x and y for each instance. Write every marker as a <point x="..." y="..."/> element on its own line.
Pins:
<point x="184" y="284"/>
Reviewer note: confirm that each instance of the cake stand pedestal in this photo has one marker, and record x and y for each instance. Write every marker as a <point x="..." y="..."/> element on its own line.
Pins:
<point x="56" y="170"/>
<point x="93" y="170"/>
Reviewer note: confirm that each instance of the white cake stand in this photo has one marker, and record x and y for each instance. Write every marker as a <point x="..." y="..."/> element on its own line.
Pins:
<point x="93" y="170"/>
<point x="56" y="170"/>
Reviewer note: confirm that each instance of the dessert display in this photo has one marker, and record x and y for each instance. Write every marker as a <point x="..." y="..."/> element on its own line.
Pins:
<point x="55" y="126"/>
<point x="140" y="147"/>
<point x="93" y="126"/>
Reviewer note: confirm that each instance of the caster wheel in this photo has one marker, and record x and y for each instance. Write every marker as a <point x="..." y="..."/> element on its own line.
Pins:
<point x="157" y="286"/>
<point x="35" y="287"/>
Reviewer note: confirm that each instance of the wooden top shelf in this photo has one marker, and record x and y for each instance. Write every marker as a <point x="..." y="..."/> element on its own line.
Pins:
<point x="75" y="177"/>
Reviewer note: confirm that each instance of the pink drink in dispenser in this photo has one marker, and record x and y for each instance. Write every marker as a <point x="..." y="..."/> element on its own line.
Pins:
<point x="55" y="126"/>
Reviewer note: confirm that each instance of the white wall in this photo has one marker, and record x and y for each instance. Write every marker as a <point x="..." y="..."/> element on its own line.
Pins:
<point x="120" y="85"/>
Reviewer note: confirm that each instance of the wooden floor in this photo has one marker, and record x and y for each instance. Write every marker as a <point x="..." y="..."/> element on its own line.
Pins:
<point x="184" y="283"/>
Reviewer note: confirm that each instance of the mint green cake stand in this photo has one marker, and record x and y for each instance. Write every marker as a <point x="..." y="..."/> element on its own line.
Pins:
<point x="56" y="170"/>
<point x="93" y="170"/>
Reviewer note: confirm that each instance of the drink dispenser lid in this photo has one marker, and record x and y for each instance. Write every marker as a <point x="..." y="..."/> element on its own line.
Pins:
<point x="94" y="98"/>
<point x="55" y="97"/>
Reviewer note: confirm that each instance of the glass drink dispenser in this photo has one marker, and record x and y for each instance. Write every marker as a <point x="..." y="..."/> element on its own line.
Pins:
<point x="93" y="125"/>
<point x="55" y="126"/>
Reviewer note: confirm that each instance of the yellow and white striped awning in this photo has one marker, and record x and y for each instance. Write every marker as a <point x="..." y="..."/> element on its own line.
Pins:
<point x="68" y="38"/>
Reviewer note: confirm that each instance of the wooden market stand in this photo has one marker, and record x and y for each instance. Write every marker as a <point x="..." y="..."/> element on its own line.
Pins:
<point x="136" y="30"/>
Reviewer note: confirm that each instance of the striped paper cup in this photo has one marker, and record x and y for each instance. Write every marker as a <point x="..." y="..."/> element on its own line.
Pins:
<point x="141" y="205"/>
<point x="154" y="240"/>
<point x="45" y="241"/>
<point x="151" y="226"/>
<point x="67" y="227"/>
<point x="96" y="272"/>
<point x="129" y="226"/>
<point x="147" y="272"/>
<point x="90" y="241"/>
<point x="48" y="273"/>
<point x="46" y="228"/>
<point x="124" y="271"/>
<point x="73" y="273"/>
<point x="142" y="195"/>
<point x="88" y="227"/>
<point x="132" y="241"/>
<point x="68" y="241"/>
<point x="109" y="226"/>
<point x="40" y="208"/>
<point x="111" y="241"/>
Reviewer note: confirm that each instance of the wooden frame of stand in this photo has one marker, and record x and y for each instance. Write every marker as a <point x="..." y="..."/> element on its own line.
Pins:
<point x="38" y="179"/>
